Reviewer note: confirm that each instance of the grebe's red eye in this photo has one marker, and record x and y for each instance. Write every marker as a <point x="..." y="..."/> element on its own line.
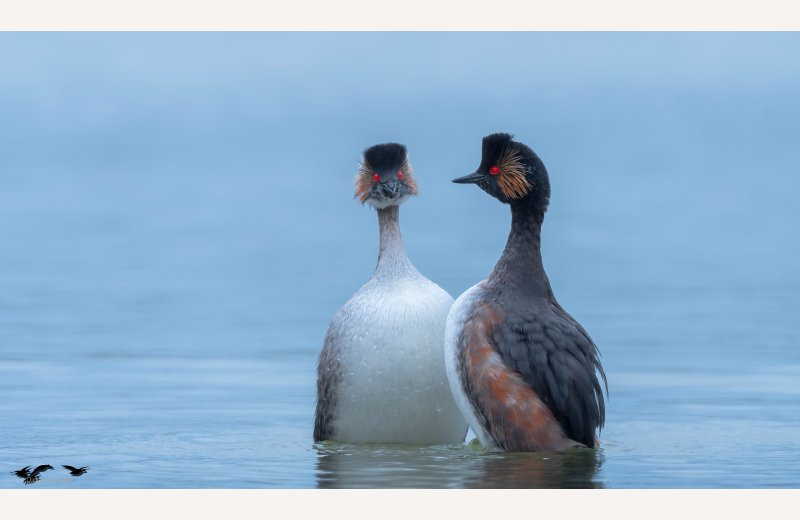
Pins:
<point x="494" y="170"/>
<point x="376" y="177"/>
<point x="400" y="174"/>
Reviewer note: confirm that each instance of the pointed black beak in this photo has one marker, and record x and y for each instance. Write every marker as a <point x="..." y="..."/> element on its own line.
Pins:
<point x="390" y="188"/>
<point x="472" y="178"/>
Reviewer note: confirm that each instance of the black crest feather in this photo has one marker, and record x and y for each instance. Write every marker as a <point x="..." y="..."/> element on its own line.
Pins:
<point x="385" y="156"/>
<point x="494" y="144"/>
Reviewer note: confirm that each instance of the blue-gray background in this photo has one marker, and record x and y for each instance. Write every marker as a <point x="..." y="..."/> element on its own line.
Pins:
<point x="177" y="227"/>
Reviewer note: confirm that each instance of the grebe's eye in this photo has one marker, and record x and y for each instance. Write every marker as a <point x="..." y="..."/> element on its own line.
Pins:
<point x="494" y="170"/>
<point x="400" y="174"/>
<point x="376" y="177"/>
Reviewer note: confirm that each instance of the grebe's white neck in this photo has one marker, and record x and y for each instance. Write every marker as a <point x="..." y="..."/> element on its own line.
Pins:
<point x="392" y="259"/>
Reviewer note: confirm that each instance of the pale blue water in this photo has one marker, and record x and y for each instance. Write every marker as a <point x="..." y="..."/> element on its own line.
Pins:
<point x="177" y="227"/>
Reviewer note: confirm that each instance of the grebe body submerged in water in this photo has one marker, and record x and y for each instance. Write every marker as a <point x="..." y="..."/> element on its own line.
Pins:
<point x="381" y="376"/>
<point x="522" y="370"/>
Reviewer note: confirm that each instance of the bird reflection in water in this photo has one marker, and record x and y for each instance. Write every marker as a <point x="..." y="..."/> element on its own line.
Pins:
<point x="575" y="468"/>
<point x="396" y="466"/>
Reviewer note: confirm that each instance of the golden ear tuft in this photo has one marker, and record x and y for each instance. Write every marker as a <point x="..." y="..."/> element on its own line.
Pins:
<point x="363" y="182"/>
<point x="408" y="177"/>
<point x="512" y="180"/>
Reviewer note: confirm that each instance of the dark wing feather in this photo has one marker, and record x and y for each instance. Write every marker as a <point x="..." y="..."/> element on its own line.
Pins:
<point x="41" y="469"/>
<point x="70" y="468"/>
<point x="558" y="359"/>
<point x="328" y="379"/>
<point x="22" y="473"/>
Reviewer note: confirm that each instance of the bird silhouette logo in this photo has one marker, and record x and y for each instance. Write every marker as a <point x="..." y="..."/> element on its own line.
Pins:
<point x="29" y="477"/>
<point x="76" y="472"/>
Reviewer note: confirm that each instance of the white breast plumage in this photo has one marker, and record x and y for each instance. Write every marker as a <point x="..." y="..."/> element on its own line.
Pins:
<point x="456" y="318"/>
<point x="394" y="386"/>
<point x="382" y="371"/>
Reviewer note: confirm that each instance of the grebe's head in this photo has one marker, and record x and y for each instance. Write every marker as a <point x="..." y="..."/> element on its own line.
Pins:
<point x="385" y="178"/>
<point x="511" y="172"/>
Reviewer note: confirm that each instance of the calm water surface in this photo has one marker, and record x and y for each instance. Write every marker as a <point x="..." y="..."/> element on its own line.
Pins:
<point x="177" y="228"/>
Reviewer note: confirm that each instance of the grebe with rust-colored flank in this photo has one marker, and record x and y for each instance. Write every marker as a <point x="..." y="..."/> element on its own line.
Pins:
<point x="381" y="376"/>
<point x="523" y="372"/>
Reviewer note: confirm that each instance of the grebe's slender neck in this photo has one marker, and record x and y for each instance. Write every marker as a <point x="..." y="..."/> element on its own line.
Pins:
<point x="521" y="266"/>
<point x="392" y="259"/>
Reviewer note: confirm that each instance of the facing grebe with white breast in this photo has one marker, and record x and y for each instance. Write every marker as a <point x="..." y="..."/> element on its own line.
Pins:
<point x="381" y="374"/>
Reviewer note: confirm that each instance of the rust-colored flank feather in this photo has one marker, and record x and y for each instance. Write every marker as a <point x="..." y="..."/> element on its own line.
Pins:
<point x="514" y="414"/>
<point x="364" y="180"/>
<point x="512" y="179"/>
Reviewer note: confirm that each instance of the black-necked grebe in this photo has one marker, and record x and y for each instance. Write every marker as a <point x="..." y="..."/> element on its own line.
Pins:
<point x="381" y="374"/>
<point x="522" y="370"/>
